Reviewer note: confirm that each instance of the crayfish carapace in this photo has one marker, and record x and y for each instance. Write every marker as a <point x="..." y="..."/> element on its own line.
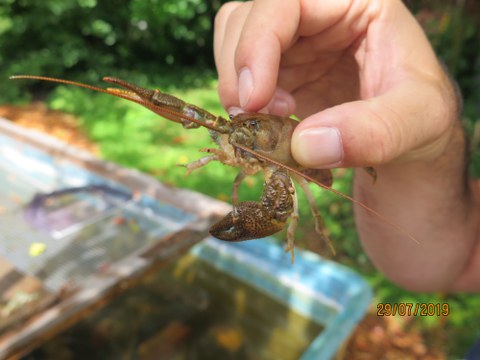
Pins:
<point x="252" y="142"/>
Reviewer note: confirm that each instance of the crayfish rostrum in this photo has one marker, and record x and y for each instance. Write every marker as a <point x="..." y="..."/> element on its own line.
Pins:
<point x="252" y="142"/>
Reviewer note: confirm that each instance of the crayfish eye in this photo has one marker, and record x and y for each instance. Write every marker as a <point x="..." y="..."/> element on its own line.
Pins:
<point x="230" y="116"/>
<point x="252" y="124"/>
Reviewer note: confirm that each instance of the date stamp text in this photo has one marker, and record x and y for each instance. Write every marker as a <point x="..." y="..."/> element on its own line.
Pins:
<point x="413" y="309"/>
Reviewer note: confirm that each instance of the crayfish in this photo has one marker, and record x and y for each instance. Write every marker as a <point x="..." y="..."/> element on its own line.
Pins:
<point x="252" y="142"/>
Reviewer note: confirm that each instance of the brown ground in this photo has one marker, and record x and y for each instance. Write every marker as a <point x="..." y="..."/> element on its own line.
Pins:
<point x="56" y="123"/>
<point x="388" y="338"/>
<point x="394" y="338"/>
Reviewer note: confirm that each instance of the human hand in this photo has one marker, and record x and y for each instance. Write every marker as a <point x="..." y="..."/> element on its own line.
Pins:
<point x="361" y="74"/>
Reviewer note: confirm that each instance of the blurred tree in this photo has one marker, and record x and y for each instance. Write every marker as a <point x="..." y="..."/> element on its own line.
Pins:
<point x="84" y="38"/>
<point x="453" y="28"/>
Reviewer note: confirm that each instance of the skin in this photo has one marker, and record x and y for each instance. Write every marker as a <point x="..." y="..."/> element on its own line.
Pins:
<point x="371" y="92"/>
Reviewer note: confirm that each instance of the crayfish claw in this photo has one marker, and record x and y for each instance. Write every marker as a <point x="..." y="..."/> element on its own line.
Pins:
<point x="251" y="221"/>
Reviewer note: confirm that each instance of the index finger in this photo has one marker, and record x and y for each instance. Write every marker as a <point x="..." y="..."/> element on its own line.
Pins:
<point x="269" y="29"/>
<point x="251" y="63"/>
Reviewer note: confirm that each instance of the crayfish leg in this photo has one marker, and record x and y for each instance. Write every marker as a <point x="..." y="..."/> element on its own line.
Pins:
<point x="236" y="184"/>
<point x="194" y="165"/>
<point x="292" y="226"/>
<point x="319" y="226"/>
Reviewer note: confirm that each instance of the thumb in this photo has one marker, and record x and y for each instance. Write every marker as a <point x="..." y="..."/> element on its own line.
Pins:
<point x="397" y="124"/>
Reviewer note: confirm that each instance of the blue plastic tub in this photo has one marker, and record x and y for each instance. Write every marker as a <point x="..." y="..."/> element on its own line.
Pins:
<point x="330" y="294"/>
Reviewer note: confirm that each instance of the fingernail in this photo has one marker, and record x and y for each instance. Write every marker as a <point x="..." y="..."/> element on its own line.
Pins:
<point x="234" y="110"/>
<point x="317" y="147"/>
<point x="245" y="86"/>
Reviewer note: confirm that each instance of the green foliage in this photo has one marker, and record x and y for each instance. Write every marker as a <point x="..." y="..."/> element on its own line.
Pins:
<point x="453" y="29"/>
<point x="82" y="39"/>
